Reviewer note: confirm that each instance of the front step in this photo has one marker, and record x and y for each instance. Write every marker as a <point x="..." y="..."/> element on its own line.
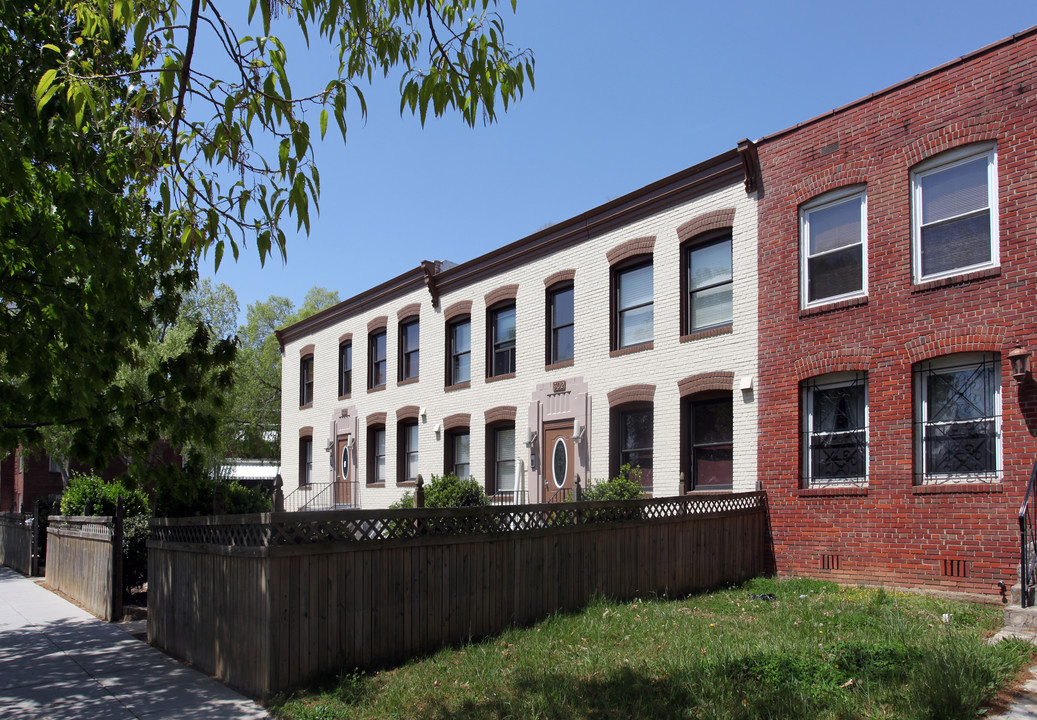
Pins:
<point x="1019" y="623"/>
<point x="1021" y="618"/>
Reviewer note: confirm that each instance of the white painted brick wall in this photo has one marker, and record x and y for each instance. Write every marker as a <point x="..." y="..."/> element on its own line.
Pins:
<point x="668" y="362"/>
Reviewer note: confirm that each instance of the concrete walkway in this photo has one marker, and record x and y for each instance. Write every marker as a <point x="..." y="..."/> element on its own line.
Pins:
<point x="58" y="661"/>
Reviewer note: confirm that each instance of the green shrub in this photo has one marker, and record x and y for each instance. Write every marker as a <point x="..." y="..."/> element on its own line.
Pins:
<point x="625" y="486"/>
<point x="451" y="491"/>
<point x="404" y="503"/>
<point x="190" y="493"/>
<point x="136" y="520"/>
<point x="104" y="495"/>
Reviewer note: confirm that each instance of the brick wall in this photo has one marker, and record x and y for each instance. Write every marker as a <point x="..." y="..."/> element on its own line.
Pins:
<point x="957" y="537"/>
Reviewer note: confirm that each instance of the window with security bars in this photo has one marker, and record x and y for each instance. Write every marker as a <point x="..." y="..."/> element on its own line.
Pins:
<point x="954" y="213"/>
<point x="835" y="430"/>
<point x="958" y="419"/>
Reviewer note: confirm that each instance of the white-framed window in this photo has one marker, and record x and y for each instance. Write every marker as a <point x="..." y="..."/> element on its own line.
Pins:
<point x="958" y="418"/>
<point x="709" y="284"/>
<point x="954" y="213"/>
<point x="835" y="429"/>
<point x="833" y="232"/>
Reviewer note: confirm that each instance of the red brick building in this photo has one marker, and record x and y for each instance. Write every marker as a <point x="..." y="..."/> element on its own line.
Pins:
<point x="898" y="269"/>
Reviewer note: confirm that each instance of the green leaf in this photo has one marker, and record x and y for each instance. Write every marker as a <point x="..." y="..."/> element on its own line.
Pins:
<point x="44" y="89"/>
<point x="323" y="122"/>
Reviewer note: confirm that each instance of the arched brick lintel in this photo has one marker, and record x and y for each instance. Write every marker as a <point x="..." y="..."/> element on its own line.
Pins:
<point x="348" y="337"/>
<point x="505" y="292"/>
<point x="457" y="420"/>
<point x="407" y="311"/>
<point x="704" y="223"/>
<point x="984" y="128"/>
<point x="306" y="431"/>
<point x="377" y="418"/>
<point x="830" y="361"/>
<point x="706" y="382"/>
<point x="501" y="413"/>
<point x="631" y="248"/>
<point x="559" y="277"/>
<point x="464" y="307"/>
<point x="407" y="412"/>
<point x="306" y="350"/>
<point x="982" y="338"/>
<point x="630" y="394"/>
<point x="378" y="323"/>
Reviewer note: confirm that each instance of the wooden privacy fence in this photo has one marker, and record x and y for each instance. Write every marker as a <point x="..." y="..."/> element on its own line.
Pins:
<point x="270" y="602"/>
<point x="18" y="542"/>
<point x="84" y="561"/>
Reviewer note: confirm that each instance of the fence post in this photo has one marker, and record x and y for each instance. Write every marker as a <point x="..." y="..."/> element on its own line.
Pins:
<point x="117" y="534"/>
<point x="419" y="493"/>
<point x="217" y="498"/>
<point x="579" y="490"/>
<point x="34" y="541"/>
<point x="278" y="494"/>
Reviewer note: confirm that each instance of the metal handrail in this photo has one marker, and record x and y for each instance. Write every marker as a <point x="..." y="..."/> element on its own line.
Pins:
<point x="321" y="497"/>
<point x="1028" y="541"/>
<point x="560" y="495"/>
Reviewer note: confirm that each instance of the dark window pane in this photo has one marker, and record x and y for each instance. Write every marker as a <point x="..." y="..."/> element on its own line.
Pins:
<point x="563" y="344"/>
<point x="836" y="273"/>
<point x="838" y="455"/>
<point x="713" y="467"/>
<point x="961" y="448"/>
<point x="956" y="244"/>
<point x="712" y="422"/>
<point x="563" y="307"/>
<point x="560" y="465"/>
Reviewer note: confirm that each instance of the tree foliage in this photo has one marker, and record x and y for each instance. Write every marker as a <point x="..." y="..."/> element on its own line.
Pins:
<point x="232" y="157"/>
<point x="126" y="160"/>
<point x="88" y="268"/>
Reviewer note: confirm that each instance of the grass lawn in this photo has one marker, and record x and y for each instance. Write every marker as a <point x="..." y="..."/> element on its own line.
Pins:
<point x="816" y="650"/>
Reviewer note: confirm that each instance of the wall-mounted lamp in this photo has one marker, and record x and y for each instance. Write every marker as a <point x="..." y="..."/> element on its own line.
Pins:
<point x="1020" y="359"/>
<point x="438" y="429"/>
<point x="329" y="446"/>
<point x="578" y="430"/>
<point x="351" y="443"/>
<point x="422" y="413"/>
<point x="745" y="384"/>
<point x="531" y="437"/>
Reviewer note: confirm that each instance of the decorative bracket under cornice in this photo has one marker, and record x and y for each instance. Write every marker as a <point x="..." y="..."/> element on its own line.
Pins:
<point x="750" y="164"/>
<point x="431" y="269"/>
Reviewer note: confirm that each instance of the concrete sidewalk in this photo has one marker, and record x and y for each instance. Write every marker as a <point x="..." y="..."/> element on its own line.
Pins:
<point x="58" y="661"/>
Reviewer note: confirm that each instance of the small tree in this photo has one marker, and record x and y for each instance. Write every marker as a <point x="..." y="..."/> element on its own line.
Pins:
<point x="625" y="486"/>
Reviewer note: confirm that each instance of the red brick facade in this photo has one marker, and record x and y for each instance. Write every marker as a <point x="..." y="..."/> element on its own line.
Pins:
<point x="960" y="536"/>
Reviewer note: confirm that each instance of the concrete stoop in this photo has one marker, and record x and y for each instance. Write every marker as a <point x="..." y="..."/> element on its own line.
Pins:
<point x="1019" y="623"/>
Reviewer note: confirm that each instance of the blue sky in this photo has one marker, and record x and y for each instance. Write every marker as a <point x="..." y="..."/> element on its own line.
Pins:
<point x="623" y="97"/>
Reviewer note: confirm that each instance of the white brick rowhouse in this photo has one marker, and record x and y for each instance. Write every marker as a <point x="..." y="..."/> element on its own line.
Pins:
<point x="658" y="390"/>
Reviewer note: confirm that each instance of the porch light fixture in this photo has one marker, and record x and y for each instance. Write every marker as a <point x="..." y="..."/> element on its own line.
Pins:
<point x="531" y="437"/>
<point x="351" y="443"/>
<point x="578" y="430"/>
<point x="328" y="446"/>
<point x="1021" y="366"/>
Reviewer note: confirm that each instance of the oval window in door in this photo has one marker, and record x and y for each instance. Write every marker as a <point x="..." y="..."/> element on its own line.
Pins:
<point x="345" y="462"/>
<point x="560" y="462"/>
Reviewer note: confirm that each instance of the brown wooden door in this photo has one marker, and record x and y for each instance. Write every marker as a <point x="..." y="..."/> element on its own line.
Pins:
<point x="559" y="461"/>
<point x="343" y="472"/>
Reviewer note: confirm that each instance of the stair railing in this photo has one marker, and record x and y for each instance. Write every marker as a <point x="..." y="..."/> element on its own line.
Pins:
<point x="1028" y="538"/>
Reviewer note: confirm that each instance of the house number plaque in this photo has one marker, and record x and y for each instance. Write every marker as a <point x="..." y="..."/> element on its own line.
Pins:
<point x="559" y="386"/>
